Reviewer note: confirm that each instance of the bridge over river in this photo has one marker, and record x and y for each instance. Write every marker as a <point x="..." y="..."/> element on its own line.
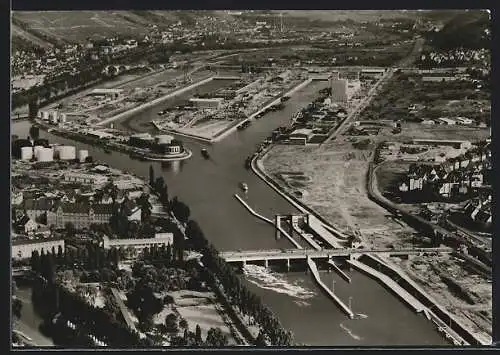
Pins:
<point x="294" y="254"/>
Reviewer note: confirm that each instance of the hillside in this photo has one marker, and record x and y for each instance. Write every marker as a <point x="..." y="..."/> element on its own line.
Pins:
<point x="468" y="30"/>
<point x="51" y="27"/>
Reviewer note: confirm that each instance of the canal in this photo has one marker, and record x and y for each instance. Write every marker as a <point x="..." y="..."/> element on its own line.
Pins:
<point x="208" y="186"/>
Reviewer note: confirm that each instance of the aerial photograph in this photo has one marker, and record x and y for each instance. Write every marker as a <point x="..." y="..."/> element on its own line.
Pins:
<point x="251" y="178"/>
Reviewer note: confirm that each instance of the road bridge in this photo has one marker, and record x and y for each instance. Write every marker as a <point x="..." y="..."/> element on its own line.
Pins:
<point x="294" y="254"/>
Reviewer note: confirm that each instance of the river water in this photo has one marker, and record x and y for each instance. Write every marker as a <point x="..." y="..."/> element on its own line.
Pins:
<point x="208" y="187"/>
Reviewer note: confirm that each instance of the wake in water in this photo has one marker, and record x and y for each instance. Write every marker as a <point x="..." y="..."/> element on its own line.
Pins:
<point x="349" y="331"/>
<point x="263" y="278"/>
<point x="361" y="316"/>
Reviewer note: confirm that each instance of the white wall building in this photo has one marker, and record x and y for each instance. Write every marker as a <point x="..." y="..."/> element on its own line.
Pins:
<point x="159" y="239"/>
<point x="23" y="249"/>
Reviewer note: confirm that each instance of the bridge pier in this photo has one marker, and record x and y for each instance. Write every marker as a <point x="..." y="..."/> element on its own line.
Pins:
<point x="287" y="264"/>
<point x="277" y="221"/>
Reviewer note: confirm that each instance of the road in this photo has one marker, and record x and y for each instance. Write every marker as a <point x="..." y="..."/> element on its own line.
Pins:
<point x="417" y="48"/>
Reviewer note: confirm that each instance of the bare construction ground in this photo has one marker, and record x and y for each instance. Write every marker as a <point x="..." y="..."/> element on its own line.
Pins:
<point x="465" y="294"/>
<point x="334" y="185"/>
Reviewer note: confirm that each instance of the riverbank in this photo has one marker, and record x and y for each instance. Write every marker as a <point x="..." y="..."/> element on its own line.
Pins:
<point x="257" y="166"/>
<point x="137" y="152"/>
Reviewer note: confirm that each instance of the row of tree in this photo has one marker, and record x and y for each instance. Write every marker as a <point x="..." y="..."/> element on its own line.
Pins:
<point x="88" y="319"/>
<point x="224" y="275"/>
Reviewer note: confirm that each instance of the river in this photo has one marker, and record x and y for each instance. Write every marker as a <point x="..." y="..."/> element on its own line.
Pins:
<point x="208" y="186"/>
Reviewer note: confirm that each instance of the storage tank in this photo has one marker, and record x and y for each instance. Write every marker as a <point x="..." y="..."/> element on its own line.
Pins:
<point x="164" y="139"/>
<point x="45" y="155"/>
<point x="26" y="153"/>
<point x="45" y="115"/>
<point x="53" y="117"/>
<point x="67" y="152"/>
<point x="39" y="114"/>
<point x="82" y="155"/>
<point x="62" y="118"/>
<point x="37" y="149"/>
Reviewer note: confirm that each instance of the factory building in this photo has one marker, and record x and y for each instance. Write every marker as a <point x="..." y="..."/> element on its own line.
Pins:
<point x="45" y="115"/>
<point x="339" y="90"/>
<point x="301" y="136"/>
<point x="141" y="140"/>
<point x="212" y="103"/>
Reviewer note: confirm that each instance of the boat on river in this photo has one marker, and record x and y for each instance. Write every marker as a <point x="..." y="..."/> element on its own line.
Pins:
<point x="244" y="186"/>
<point x="204" y="153"/>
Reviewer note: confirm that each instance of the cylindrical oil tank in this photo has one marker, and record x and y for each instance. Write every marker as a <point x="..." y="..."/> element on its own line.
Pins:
<point x="45" y="154"/>
<point x="39" y="114"/>
<point x="45" y="115"/>
<point x="26" y="153"/>
<point x="62" y="118"/>
<point x="164" y="139"/>
<point x="53" y="116"/>
<point x="82" y="155"/>
<point x="37" y="150"/>
<point x="67" y="152"/>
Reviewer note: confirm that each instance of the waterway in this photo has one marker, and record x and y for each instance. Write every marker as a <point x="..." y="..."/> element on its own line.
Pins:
<point x="208" y="186"/>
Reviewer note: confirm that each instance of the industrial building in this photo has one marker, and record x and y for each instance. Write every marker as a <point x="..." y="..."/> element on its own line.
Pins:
<point x="339" y="90"/>
<point x="436" y="142"/>
<point x="301" y="136"/>
<point x="446" y="121"/>
<point x="212" y="103"/>
<point x="139" y="243"/>
<point x="92" y="179"/>
<point x="141" y="140"/>
<point x="22" y="249"/>
<point x="106" y="93"/>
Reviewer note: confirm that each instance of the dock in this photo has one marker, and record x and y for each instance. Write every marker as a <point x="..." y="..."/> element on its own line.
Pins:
<point x="337" y="300"/>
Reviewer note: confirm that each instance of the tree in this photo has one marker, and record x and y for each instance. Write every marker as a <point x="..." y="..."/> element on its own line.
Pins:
<point x="89" y="159"/>
<point x="171" y="323"/>
<point x="198" y="337"/>
<point x="216" y="338"/>
<point x="34" y="132"/>
<point x="159" y="183"/>
<point x="17" y="306"/>
<point x="151" y="176"/>
<point x="70" y="229"/>
<point x="33" y="107"/>
<point x="60" y="255"/>
<point x="35" y="261"/>
<point x="183" y="324"/>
